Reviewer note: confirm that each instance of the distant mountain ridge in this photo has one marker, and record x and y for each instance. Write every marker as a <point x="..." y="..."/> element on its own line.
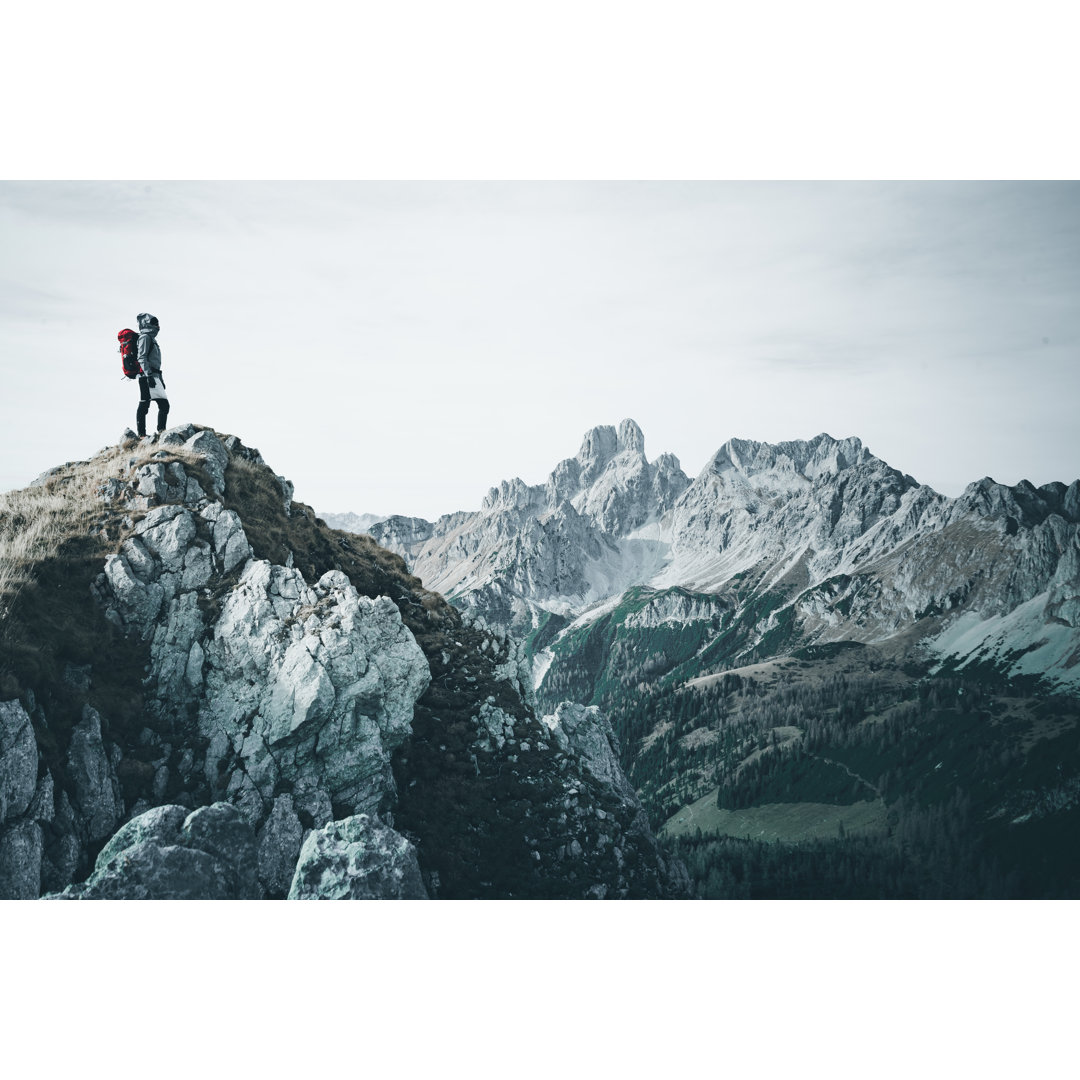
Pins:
<point x="349" y="522"/>
<point x="845" y="546"/>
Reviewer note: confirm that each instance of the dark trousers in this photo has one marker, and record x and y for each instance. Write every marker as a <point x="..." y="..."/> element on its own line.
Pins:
<point x="144" y="405"/>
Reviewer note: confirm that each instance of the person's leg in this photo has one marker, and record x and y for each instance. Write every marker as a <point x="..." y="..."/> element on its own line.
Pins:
<point x="144" y="406"/>
<point x="162" y="414"/>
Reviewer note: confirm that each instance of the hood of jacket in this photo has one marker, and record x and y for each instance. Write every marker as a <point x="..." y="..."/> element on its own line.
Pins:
<point x="147" y="323"/>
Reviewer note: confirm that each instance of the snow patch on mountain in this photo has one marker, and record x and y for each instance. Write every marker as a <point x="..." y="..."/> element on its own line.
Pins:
<point x="541" y="662"/>
<point x="1023" y="640"/>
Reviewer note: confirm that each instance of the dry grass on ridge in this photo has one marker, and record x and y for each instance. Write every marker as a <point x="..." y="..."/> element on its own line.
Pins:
<point x="35" y="521"/>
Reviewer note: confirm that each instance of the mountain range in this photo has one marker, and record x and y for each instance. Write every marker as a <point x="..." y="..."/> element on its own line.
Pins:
<point x="842" y="547"/>
<point x="754" y="631"/>
<point x="799" y="674"/>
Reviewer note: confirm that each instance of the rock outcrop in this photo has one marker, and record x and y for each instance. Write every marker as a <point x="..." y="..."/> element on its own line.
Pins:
<point x="294" y="694"/>
<point x="170" y="854"/>
<point x="276" y="709"/>
<point x="18" y="760"/>
<point x="91" y="771"/>
<point x="357" y="858"/>
<point x="25" y="805"/>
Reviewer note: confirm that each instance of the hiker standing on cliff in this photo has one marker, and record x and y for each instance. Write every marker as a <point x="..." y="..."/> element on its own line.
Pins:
<point x="151" y="384"/>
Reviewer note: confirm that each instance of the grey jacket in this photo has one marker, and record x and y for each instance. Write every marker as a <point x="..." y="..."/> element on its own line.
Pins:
<point x="149" y="349"/>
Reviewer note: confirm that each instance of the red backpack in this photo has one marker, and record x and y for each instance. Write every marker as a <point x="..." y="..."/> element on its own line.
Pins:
<point x="129" y="353"/>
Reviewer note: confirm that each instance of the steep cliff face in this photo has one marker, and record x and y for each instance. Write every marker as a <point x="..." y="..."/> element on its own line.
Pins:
<point x="263" y="706"/>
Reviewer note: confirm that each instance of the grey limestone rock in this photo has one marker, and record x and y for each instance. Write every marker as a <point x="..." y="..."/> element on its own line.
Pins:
<point x="167" y="531"/>
<point x="20" y="860"/>
<point x="97" y="800"/>
<point x="161" y="482"/>
<point x="139" y="560"/>
<point x="307" y="686"/>
<point x="43" y="806"/>
<point x="358" y="858"/>
<point x="159" y="825"/>
<point x="279" y="846"/>
<point x="313" y="801"/>
<point x="222" y="831"/>
<point x="588" y="734"/>
<point x="18" y="760"/>
<point x="46" y="476"/>
<point x="557" y="547"/>
<point x="494" y="727"/>
<point x="872" y="553"/>
<point x="62" y="848"/>
<point x="238" y="449"/>
<point x="169" y="854"/>
<point x="152" y="872"/>
<point x="175" y="436"/>
<point x="210" y="448"/>
<point x="135" y="602"/>
<point x="112" y="489"/>
<point x="286" y="492"/>
<point x="328" y="679"/>
<point x="230" y="543"/>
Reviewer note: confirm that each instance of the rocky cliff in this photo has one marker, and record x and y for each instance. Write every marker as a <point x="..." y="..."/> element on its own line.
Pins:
<point x="208" y="692"/>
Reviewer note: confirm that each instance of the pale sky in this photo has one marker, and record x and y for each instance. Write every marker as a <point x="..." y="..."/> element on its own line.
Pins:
<point x="402" y="347"/>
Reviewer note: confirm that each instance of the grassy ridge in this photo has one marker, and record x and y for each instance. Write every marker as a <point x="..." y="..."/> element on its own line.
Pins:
<point x="788" y="822"/>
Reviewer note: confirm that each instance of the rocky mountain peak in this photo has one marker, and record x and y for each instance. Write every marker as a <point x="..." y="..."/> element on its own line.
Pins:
<point x="787" y="467"/>
<point x="512" y="495"/>
<point x="1022" y="503"/>
<point x="820" y="456"/>
<point x="602" y="444"/>
<point x="609" y="464"/>
<point x="631" y="437"/>
<point x="598" y="447"/>
<point x="251" y="704"/>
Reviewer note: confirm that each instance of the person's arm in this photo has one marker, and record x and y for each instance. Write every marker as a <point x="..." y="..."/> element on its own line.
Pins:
<point x="146" y="350"/>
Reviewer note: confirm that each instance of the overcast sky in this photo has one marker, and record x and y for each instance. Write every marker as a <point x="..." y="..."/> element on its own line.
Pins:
<point x="400" y="348"/>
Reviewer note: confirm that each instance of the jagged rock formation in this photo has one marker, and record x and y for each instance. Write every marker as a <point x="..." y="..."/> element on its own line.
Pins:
<point x="24" y="805"/>
<point x="170" y="854"/>
<point x="357" y="858"/>
<point x="306" y="686"/>
<point x="817" y="536"/>
<point x="244" y="691"/>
